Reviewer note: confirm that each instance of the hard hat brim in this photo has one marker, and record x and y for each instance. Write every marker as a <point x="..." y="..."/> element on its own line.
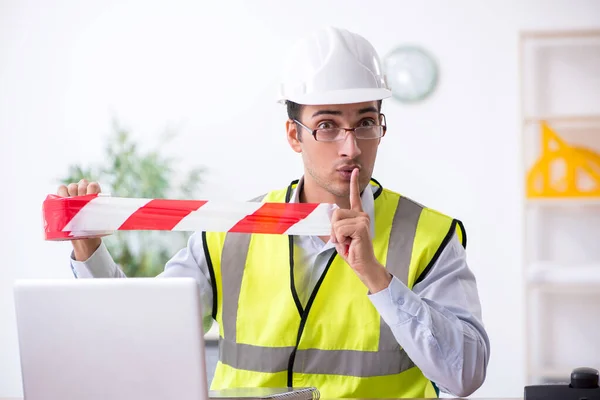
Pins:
<point x="346" y="96"/>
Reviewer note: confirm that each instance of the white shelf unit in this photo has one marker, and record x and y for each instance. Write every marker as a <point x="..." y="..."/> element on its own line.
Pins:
<point x="560" y="84"/>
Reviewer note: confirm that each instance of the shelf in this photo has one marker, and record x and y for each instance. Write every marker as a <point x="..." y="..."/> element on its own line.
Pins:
<point x="551" y="373"/>
<point x="591" y="118"/>
<point x="559" y="84"/>
<point x="565" y="289"/>
<point x="554" y="372"/>
<point x="564" y="202"/>
<point x="560" y="34"/>
<point x="557" y="274"/>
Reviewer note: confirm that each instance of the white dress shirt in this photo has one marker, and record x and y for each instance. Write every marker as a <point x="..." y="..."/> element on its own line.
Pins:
<point x="438" y="323"/>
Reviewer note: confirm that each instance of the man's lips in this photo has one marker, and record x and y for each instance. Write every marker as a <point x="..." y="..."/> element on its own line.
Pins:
<point x="348" y="168"/>
<point x="345" y="172"/>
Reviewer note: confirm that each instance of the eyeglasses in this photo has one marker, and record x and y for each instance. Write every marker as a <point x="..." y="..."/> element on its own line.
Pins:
<point x="336" y="134"/>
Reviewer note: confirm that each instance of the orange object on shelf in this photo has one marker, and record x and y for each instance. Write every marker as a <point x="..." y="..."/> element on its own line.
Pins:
<point x="561" y="168"/>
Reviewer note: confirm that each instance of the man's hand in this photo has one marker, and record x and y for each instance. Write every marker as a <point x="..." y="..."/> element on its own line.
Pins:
<point x="351" y="233"/>
<point x="82" y="248"/>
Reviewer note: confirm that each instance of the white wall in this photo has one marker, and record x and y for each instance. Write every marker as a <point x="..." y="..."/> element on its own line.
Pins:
<point x="210" y="69"/>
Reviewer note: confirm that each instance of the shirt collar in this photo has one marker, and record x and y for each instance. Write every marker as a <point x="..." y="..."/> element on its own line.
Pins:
<point x="367" y="198"/>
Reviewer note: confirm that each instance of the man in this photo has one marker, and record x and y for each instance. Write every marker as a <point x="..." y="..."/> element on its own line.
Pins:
<point x="385" y="306"/>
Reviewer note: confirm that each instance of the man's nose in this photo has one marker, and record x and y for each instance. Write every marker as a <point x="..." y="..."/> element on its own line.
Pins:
<point x="349" y="146"/>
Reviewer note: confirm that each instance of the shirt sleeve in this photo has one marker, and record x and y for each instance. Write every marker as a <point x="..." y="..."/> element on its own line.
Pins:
<point x="99" y="265"/>
<point x="190" y="261"/>
<point x="439" y="323"/>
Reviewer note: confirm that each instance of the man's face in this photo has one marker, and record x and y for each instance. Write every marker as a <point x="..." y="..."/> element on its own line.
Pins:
<point x="330" y="164"/>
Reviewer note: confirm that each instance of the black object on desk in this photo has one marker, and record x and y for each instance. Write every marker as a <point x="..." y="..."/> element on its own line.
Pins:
<point x="583" y="386"/>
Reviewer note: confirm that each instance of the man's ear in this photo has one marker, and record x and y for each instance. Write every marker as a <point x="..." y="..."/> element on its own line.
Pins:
<point x="292" y="136"/>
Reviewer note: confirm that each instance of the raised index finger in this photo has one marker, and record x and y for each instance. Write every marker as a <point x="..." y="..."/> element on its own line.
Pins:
<point x="355" y="202"/>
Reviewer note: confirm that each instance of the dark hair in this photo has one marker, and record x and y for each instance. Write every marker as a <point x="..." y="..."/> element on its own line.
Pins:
<point x="294" y="109"/>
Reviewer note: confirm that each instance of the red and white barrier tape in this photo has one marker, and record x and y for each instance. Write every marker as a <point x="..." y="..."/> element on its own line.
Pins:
<point x="93" y="215"/>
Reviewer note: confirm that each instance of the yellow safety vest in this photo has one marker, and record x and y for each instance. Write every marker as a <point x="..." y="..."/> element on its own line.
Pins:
<point x="338" y="342"/>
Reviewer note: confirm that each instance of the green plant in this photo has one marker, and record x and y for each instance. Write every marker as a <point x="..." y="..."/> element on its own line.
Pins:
<point x="128" y="171"/>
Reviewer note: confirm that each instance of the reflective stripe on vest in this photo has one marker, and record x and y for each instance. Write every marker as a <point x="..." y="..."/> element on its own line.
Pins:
<point x="342" y="362"/>
<point x="299" y="345"/>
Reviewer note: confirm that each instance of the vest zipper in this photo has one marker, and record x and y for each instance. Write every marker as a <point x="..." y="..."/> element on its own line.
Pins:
<point x="292" y="282"/>
<point x="303" y="313"/>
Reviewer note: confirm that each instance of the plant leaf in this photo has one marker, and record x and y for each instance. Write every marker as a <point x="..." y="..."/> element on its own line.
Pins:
<point x="131" y="172"/>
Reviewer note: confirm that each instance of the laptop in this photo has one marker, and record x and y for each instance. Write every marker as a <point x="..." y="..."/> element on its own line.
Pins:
<point x="118" y="339"/>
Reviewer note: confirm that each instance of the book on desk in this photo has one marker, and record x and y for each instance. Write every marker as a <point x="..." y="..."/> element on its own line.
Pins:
<point x="308" y="393"/>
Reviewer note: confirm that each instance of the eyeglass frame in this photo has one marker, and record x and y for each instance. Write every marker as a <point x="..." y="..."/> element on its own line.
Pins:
<point x="313" y="132"/>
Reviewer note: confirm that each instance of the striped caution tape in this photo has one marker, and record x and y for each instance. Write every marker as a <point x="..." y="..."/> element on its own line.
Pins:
<point x="76" y="217"/>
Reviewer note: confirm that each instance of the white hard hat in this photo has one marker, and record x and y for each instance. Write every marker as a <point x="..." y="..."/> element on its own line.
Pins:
<point x="333" y="66"/>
